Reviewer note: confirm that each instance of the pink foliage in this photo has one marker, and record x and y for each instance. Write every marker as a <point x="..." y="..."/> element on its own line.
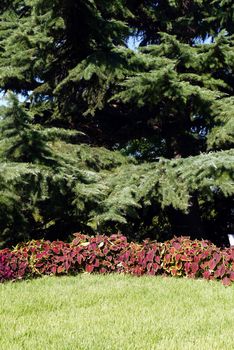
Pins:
<point x="102" y="254"/>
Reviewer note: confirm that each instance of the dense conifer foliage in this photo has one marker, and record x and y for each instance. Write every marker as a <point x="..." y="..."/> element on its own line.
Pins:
<point x="113" y="138"/>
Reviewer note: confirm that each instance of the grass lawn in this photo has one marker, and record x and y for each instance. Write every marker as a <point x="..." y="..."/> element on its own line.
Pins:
<point x="116" y="312"/>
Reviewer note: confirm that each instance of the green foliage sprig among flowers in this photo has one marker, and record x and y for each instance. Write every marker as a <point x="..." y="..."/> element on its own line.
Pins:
<point x="102" y="254"/>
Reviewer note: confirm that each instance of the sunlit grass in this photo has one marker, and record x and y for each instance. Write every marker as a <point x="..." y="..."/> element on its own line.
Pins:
<point x="116" y="312"/>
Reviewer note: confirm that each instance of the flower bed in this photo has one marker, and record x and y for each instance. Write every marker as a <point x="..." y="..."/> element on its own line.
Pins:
<point x="102" y="254"/>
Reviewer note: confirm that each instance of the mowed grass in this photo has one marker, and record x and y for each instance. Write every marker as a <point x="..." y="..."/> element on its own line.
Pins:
<point x="116" y="312"/>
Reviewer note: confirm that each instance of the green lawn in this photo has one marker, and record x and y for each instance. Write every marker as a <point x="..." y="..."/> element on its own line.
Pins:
<point x="116" y="312"/>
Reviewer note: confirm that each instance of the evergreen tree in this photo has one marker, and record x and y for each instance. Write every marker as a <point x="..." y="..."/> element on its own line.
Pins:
<point x="20" y="142"/>
<point x="167" y="107"/>
<point x="39" y="170"/>
<point x="189" y="20"/>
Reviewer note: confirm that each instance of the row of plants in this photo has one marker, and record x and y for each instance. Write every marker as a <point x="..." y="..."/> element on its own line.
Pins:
<point x="103" y="254"/>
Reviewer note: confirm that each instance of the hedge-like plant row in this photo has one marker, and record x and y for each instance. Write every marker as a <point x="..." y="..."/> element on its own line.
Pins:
<point x="102" y="254"/>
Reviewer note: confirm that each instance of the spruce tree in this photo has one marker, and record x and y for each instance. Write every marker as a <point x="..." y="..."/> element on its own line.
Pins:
<point x="40" y="168"/>
<point x="141" y="140"/>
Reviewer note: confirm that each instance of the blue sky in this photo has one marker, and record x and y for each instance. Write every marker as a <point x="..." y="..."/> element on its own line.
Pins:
<point x="133" y="42"/>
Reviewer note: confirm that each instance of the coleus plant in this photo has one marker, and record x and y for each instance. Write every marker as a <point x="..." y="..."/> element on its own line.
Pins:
<point x="103" y="254"/>
<point x="194" y="258"/>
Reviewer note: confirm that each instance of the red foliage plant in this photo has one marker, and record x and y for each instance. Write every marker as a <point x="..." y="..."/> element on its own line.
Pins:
<point x="102" y="254"/>
<point x="194" y="258"/>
